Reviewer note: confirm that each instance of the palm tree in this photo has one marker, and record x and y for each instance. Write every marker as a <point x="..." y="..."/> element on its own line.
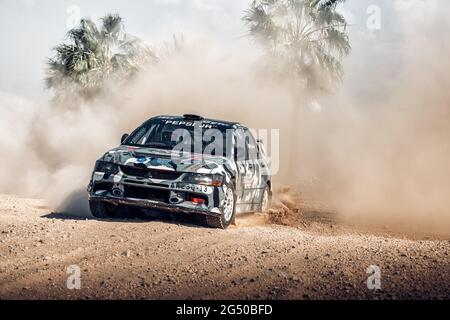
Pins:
<point x="92" y="55"/>
<point x="305" y="39"/>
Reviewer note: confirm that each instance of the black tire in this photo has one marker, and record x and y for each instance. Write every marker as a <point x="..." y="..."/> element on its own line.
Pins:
<point x="102" y="210"/>
<point x="219" y="222"/>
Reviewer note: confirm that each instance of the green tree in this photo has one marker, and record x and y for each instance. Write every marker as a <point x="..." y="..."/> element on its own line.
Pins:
<point x="305" y="40"/>
<point x="92" y="55"/>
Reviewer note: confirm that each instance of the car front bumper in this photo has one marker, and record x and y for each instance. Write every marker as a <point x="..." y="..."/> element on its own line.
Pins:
<point x="102" y="185"/>
<point x="157" y="205"/>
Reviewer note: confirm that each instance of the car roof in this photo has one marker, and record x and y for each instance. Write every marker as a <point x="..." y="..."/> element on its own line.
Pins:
<point x="192" y="117"/>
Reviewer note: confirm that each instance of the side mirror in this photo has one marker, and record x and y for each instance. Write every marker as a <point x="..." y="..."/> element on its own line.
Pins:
<point x="124" y="137"/>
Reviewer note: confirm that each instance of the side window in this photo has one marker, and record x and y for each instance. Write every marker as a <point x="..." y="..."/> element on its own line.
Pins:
<point x="240" y="149"/>
<point x="251" y="147"/>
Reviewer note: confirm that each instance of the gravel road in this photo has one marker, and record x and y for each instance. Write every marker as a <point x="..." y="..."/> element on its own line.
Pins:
<point x="314" y="258"/>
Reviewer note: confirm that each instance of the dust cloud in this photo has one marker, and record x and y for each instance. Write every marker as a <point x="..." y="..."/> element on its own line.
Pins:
<point x="382" y="160"/>
<point x="50" y="150"/>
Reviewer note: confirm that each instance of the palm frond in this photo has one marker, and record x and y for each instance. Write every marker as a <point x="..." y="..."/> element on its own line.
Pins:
<point x="112" y="25"/>
<point x="307" y="36"/>
<point x="93" y="55"/>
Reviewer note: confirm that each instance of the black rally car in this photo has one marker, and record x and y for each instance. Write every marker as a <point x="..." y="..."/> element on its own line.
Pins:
<point x="184" y="164"/>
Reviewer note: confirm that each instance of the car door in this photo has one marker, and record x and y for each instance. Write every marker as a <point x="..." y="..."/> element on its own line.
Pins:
<point x="252" y="167"/>
<point x="244" y="175"/>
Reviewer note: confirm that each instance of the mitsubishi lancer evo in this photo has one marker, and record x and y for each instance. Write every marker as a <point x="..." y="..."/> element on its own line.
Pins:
<point x="184" y="164"/>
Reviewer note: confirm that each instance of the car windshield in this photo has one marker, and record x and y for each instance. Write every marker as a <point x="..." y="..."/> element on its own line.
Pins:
<point x="170" y="134"/>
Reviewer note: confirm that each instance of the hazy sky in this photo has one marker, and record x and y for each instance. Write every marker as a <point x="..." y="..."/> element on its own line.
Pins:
<point x="29" y="29"/>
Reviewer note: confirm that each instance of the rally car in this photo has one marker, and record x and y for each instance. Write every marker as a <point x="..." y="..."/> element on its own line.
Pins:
<point x="184" y="164"/>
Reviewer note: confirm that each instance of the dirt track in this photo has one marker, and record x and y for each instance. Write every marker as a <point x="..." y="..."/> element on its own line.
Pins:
<point x="165" y="259"/>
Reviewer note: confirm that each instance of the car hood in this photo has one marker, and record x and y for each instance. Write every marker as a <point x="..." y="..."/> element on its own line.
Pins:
<point x="161" y="159"/>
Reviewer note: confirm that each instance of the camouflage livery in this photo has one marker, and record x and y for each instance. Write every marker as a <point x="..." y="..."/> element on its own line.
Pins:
<point x="157" y="178"/>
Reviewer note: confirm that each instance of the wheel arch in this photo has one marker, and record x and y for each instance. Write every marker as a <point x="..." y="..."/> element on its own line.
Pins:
<point x="269" y="184"/>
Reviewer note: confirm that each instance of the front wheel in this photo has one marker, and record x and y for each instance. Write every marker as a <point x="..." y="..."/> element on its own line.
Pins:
<point x="228" y="211"/>
<point x="103" y="210"/>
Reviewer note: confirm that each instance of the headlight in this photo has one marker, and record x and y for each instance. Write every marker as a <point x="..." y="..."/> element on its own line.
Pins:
<point x="215" y="180"/>
<point x="107" y="167"/>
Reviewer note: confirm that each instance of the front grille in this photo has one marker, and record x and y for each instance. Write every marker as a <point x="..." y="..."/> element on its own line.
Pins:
<point x="159" y="185"/>
<point x="142" y="172"/>
<point x="102" y="186"/>
<point x="146" y="193"/>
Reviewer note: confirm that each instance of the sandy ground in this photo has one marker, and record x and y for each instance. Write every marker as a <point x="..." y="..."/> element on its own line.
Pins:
<point x="315" y="257"/>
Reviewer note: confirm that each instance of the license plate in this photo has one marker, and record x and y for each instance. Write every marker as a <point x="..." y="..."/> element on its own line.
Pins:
<point x="190" y="187"/>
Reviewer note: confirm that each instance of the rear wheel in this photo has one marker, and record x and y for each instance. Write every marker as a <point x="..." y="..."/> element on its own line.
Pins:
<point x="103" y="210"/>
<point x="228" y="211"/>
